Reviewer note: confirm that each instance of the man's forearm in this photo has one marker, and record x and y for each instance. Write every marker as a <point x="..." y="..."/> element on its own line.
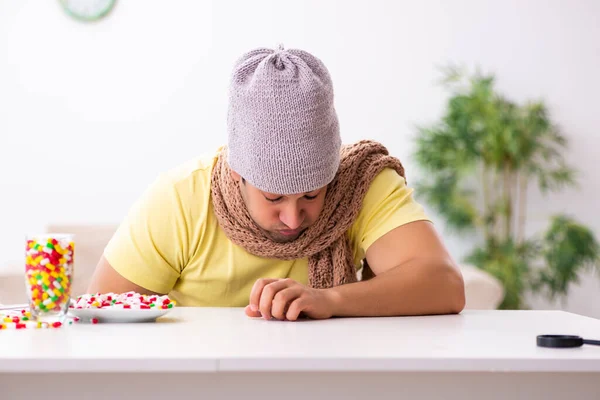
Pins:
<point x="417" y="287"/>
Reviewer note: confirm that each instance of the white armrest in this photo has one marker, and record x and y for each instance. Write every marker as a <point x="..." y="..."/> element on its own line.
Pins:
<point x="482" y="290"/>
<point x="12" y="289"/>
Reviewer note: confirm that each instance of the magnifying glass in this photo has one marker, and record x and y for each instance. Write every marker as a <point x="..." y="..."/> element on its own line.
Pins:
<point x="562" y="341"/>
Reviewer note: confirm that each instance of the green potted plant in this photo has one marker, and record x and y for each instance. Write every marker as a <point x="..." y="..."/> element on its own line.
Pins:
<point x="479" y="161"/>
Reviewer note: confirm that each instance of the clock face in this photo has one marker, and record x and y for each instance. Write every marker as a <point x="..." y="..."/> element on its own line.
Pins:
<point x="88" y="10"/>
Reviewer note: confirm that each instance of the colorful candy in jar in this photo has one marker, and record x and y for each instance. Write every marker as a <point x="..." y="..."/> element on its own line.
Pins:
<point x="49" y="268"/>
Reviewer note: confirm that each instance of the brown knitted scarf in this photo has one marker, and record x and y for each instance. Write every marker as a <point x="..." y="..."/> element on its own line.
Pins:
<point x="325" y="243"/>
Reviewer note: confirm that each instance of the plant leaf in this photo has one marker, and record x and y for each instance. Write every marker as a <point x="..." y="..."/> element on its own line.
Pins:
<point x="569" y="247"/>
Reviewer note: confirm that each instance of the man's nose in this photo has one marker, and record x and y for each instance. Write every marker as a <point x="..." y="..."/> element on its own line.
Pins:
<point x="292" y="216"/>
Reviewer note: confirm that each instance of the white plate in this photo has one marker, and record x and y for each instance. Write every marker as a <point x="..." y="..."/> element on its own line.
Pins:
<point x="118" y="314"/>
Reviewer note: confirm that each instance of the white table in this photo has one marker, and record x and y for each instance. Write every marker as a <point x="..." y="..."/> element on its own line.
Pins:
<point x="220" y="353"/>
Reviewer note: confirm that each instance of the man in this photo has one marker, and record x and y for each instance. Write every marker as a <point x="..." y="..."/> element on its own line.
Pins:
<point x="284" y="218"/>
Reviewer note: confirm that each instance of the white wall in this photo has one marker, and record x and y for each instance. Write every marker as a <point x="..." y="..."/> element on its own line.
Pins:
<point x="90" y="113"/>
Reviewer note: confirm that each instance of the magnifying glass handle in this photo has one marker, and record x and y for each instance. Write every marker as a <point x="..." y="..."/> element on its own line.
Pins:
<point x="589" y="341"/>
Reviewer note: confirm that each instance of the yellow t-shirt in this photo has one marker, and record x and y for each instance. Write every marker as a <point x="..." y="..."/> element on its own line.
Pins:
<point x="170" y="241"/>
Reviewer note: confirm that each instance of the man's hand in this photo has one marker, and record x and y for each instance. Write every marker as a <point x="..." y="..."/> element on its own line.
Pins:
<point x="286" y="299"/>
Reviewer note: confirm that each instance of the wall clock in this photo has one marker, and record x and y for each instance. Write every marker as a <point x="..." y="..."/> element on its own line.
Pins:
<point x="87" y="10"/>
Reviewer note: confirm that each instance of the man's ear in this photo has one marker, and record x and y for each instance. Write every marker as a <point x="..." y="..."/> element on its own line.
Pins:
<point x="236" y="177"/>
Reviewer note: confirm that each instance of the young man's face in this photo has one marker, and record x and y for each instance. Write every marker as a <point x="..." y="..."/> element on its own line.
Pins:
<point x="282" y="217"/>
